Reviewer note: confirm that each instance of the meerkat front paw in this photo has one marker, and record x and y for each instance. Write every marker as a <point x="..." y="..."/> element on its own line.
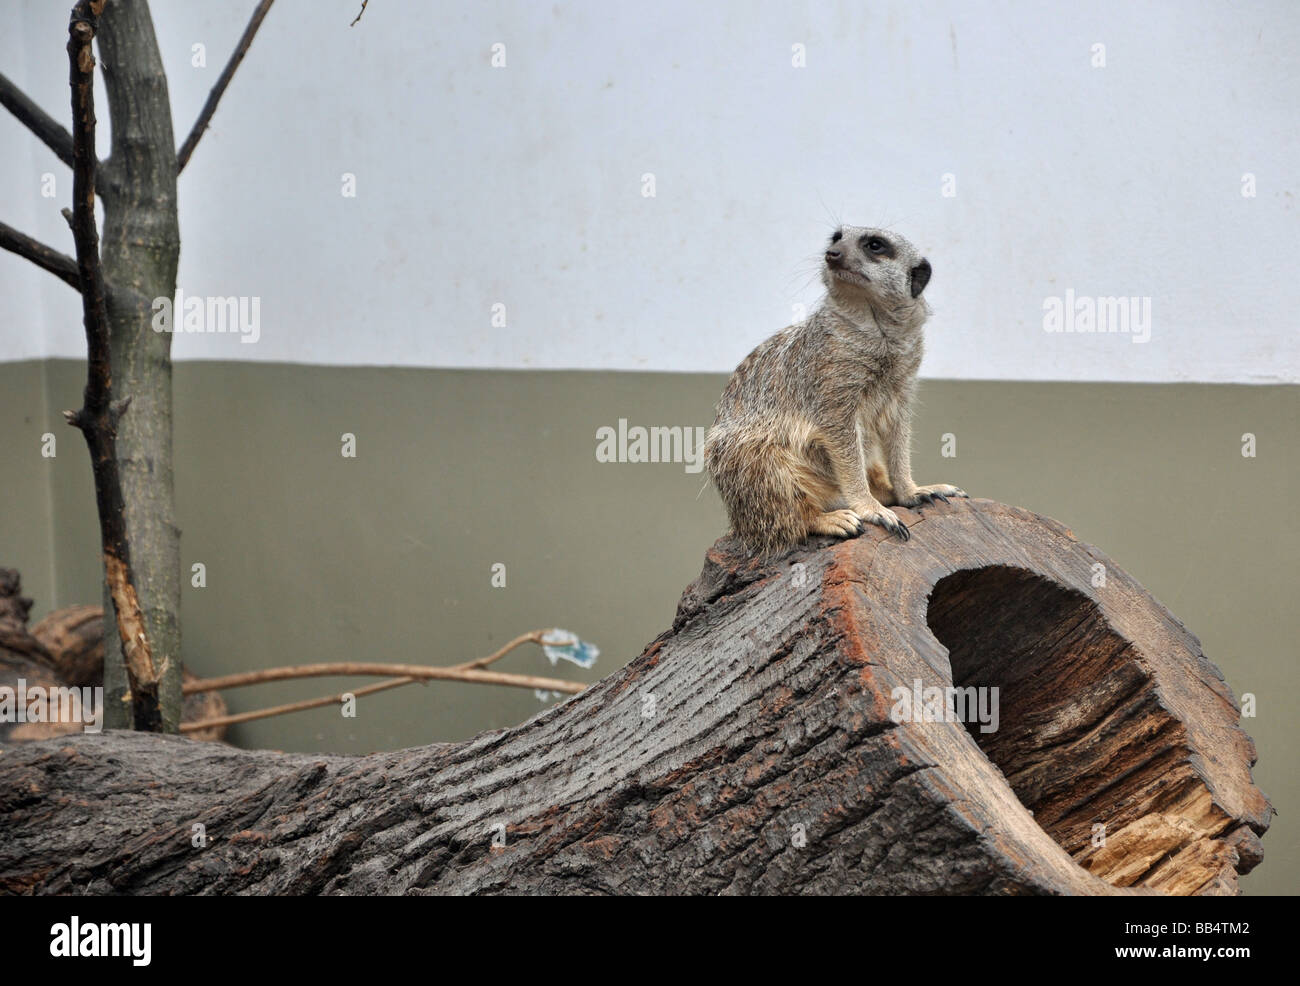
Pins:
<point x="929" y="494"/>
<point x="883" y="517"/>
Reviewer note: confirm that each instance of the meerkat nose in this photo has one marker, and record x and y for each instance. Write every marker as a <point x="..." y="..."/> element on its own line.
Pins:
<point x="834" y="256"/>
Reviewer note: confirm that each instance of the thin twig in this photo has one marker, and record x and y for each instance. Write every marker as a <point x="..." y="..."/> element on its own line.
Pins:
<point x="52" y="133"/>
<point x="532" y="637"/>
<point x="359" y="13"/>
<point x="46" y="258"/>
<point x="297" y="671"/>
<point x="420" y="671"/>
<point x="214" y="97"/>
<point x="99" y="413"/>
<point x="279" y="710"/>
<point x="456" y="672"/>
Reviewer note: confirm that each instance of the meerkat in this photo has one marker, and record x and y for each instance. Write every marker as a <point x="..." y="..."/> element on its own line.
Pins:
<point x="813" y="431"/>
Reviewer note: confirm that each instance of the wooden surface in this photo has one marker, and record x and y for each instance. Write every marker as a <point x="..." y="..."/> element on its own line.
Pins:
<point x="749" y="749"/>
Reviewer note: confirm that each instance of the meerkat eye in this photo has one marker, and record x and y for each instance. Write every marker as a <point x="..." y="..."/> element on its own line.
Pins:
<point x="875" y="244"/>
<point x="837" y="236"/>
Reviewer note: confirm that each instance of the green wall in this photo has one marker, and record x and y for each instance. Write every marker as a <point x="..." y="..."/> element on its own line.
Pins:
<point x="388" y="557"/>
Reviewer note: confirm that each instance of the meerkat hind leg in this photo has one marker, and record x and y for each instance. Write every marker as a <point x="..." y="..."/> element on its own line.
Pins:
<point x="840" y="523"/>
<point x="850" y="523"/>
<point x="881" y="488"/>
<point x="837" y="507"/>
<point x="830" y="513"/>
<point x="854" y="492"/>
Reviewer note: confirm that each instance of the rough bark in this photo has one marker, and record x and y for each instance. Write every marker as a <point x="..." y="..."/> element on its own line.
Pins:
<point x="754" y="747"/>
<point x="140" y="251"/>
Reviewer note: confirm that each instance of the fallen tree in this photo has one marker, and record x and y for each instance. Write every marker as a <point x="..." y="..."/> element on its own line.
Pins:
<point x="788" y="734"/>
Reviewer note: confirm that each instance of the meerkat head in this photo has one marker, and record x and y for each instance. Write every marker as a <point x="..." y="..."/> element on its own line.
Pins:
<point x="875" y="267"/>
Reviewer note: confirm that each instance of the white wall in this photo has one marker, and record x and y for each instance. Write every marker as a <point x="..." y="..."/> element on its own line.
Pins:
<point x="522" y="185"/>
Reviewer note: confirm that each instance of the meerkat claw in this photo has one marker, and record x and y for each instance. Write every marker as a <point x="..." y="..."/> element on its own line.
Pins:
<point x="890" y="522"/>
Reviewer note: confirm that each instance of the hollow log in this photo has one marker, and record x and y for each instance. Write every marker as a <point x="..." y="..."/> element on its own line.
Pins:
<point x="780" y="737"/>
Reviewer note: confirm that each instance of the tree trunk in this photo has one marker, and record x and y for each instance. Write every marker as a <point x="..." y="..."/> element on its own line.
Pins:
<point x="760" y="745"/>
<point x="140" y="251"/>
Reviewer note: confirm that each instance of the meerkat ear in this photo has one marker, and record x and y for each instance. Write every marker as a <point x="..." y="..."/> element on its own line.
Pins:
<point x="920" y="277"/>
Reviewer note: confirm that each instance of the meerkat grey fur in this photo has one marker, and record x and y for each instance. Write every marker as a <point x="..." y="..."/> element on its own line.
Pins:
<point x="813" y="432"/>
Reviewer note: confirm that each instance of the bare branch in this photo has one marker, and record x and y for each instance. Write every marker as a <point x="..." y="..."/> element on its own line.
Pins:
<point x="200" y="685"/>
<point x="85" y="233"/>
<point x="420" y="671"/>
<point x="455" y="673"/>
<point x="46" y="258"/>
<point x="52" y="133"/>
<point x="279" y="710"/>
<point x="214" y="97"/>
<point x="359" y="13"/>
<point x="98" y="416"/>
<point x="531" y="637"/>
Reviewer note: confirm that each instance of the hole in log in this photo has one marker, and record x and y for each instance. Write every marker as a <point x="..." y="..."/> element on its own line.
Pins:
<point x="1082" y="737"/>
